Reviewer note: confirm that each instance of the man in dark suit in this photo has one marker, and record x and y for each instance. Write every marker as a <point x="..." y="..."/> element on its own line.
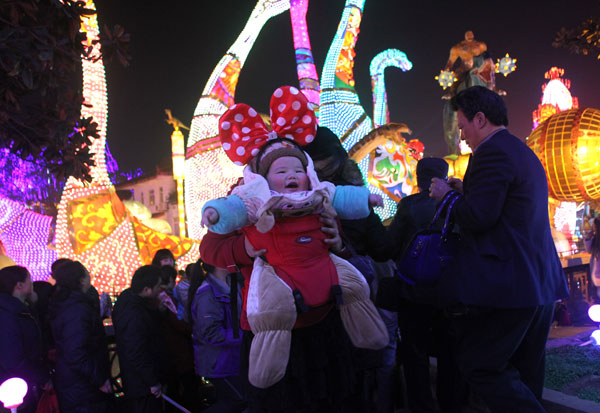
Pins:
<point x="507" y="274"/>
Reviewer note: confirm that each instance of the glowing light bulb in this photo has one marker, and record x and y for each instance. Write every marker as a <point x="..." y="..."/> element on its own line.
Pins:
<point x="594" y="313"/>
<point x="12" y="392"/>
<point x="596" y="337"/>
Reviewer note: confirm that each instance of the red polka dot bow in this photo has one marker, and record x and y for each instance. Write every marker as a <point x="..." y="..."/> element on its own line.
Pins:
<point x="243" y="131"/>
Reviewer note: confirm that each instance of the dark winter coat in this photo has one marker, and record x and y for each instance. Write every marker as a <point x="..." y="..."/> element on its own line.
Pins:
<point x="82" y="365"/>
<point x="20" y="343"/>
<point x="140" y="345"/>
<point x="366" y="235"/>
<point x="216" y="351"/>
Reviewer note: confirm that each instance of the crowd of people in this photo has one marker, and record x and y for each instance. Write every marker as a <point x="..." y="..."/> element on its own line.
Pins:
<point x="294" y="305"/>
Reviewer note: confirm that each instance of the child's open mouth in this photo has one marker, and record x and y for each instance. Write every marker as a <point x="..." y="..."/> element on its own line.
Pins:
<point x="292" y="185"/>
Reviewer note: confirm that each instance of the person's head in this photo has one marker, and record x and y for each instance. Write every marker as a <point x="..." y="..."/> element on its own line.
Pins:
<point x="207" y="268"/>
<point x="428" y="168"/>
<point x="197" y="277"/>
<point x="327" y="153"/>
<point x="188" y="271"/>
<point x="469" y="36"/>
<point x="57" y="264"/>
<point x="480" y="111"/>
<point x="163" y="257"/>
<point x="146" y="281"/>
<point x="72" y="276"/>
<point x="283" y="164"/>
<point x="16" y="281"/>
<point x="167" y="278"/>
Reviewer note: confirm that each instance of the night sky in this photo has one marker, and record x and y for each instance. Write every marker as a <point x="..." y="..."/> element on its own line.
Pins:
<point x="177" y="43"/>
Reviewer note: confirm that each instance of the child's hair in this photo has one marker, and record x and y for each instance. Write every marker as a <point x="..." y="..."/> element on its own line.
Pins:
<point x="167" y="273"/>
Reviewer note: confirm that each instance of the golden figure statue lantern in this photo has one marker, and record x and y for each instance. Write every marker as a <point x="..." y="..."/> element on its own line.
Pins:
<point x="178" y="149"/>
<point x="568" y="144"/>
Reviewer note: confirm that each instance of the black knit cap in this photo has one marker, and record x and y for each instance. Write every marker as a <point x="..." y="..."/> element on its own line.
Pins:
<point x="326" y="144"/>
<point x="428" y="168"/>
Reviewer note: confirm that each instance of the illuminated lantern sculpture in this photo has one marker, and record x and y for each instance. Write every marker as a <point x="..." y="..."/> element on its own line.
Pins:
<point x="506" y="65"/>
<point x="568" y="145"/>
<point x="446" y="78"/>
<point x="556" y="96"/>
<point x="93" y="225"/>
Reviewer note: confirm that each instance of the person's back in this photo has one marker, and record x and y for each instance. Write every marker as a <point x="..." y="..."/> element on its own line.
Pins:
<point x="513" y="238"/>
<point x="81" y="351"/>
<point x="20" y="341"/>
<point x="21" y="347"/>
<point x="216" y="349"/>
<point x="136" y="333"/>
<point x="139" y="341"/>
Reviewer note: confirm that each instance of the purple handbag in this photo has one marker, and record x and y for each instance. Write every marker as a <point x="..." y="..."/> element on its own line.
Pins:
<point x="430" y="251"/>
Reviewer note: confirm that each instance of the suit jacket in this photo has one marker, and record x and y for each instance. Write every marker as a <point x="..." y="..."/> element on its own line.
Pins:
<point x="507" y="257"/>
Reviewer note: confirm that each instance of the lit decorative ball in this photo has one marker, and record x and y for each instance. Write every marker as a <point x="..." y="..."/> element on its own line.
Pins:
<point x="594" y="313"/>
<point x="446" y="78"/>
<point x="596" y="337"/>
<point x="568" y="144"/>
<point x="506" y="65"/>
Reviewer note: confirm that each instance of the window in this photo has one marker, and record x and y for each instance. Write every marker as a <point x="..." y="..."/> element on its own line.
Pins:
<point x="161" y="199"/>
<point x="142" y="197"/>
<point x="151" y="197"/>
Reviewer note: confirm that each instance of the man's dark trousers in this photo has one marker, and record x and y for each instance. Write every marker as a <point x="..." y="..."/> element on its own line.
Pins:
<point x="501" y="353"/>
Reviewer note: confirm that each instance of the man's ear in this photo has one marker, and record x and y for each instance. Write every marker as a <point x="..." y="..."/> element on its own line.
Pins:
<point x="480" y="120"/>
<point x="146" y="291"/>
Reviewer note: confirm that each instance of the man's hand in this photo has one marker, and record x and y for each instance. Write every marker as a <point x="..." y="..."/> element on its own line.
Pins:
<point x="210" y="217"/>
<point x="156" y="390"/>
<point x="456" y="184"/>
<point x="438" y="188"/>
<point x="330" y="229"/>
<point x="251" y="251"/>
<point x="106" y="387"/>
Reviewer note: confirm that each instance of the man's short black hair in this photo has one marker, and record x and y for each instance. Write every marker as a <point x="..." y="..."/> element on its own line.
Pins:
<point x="480" y="99"/>
<point x="145" y="276"/>
<point x="10" y="276"/>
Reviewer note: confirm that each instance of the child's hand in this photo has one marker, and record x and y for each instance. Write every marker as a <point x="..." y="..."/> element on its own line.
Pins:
<point x="375" y="200"/>
<point x="210" y="217"/>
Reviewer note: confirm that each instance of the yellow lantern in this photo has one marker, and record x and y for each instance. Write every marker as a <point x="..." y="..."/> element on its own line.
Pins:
<point x="178" y="149"/>
<point x="568" y="144"/>
<point x="457" y="165"/>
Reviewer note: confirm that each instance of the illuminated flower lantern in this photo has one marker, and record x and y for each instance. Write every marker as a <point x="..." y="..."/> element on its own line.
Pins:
<point x="568" y="144"/>
<point x="506" y="65"/>
<point x="446" y="78"/>
<point x="556" y="96"/>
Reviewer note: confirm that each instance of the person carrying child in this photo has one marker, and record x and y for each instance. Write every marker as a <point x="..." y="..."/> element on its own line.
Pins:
<point x="296" y="283"/>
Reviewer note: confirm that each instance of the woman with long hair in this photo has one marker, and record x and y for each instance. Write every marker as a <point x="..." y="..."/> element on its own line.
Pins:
<point x="592" y="245"/>
<point x="82" y="367"/>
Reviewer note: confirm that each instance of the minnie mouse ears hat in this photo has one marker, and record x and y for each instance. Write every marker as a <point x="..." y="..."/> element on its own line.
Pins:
<point x="244" y="134"/>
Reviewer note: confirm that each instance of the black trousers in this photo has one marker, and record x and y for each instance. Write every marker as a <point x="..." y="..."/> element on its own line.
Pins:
<point x="424" y="331"/>
<point x="501" y="353"/>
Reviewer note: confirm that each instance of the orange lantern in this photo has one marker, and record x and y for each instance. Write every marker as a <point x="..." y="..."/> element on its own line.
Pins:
<point x="568" y="144"/>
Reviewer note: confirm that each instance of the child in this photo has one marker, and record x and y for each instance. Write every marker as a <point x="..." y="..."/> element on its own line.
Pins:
<point x="297" y="281"/>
